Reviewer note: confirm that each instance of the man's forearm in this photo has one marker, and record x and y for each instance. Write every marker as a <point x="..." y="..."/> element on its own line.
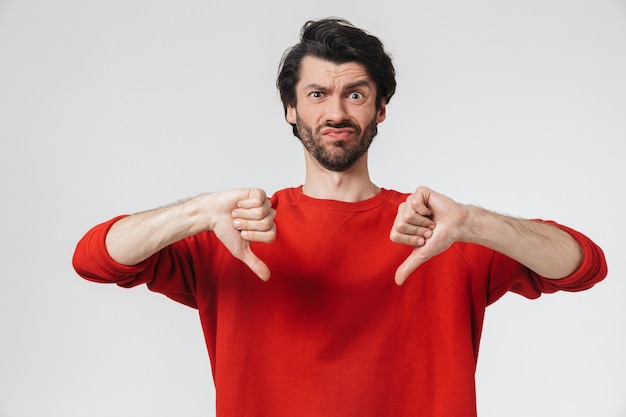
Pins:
<point x="135" y="238"/>
<point x="544" y="248"/>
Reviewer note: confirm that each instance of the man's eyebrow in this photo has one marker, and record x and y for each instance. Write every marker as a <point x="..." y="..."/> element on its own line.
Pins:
<point x="350" y="86"/>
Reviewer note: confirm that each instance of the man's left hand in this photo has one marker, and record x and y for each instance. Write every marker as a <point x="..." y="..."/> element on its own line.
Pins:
<point x="429" y="222"/>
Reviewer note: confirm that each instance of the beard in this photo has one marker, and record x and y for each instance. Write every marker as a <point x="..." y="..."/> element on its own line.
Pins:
<point x="339" y="156"/>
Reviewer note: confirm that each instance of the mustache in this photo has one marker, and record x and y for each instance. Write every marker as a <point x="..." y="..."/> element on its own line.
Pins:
<point x="341" y="125"/>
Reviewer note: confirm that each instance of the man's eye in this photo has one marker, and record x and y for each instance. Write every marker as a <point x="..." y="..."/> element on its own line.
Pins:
<point x="316" y="94"/>
<point x="356" y="95"/>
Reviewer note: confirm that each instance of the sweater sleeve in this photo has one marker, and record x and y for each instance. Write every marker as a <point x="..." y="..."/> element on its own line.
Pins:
<point x="170" y="271"/>
<point x="523" y="281"/>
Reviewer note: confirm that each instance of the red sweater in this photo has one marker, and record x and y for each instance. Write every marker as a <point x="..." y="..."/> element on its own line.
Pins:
<point x="331" y="334"/>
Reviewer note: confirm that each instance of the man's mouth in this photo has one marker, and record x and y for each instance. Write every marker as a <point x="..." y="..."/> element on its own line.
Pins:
<point x="337" y="134"/>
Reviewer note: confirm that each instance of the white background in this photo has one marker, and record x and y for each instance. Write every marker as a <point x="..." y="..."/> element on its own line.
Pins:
<point x="110" y="107"/>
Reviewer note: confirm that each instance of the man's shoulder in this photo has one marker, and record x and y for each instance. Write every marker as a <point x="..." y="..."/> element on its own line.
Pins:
<point x="395" y="197"/>
<point x="284" y="195"/>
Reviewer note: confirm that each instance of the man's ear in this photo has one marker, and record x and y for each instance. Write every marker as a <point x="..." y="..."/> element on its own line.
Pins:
<point x="381" y="113"/>
<point x="290" y="115"/>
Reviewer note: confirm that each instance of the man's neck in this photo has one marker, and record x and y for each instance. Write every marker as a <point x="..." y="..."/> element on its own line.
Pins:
<point x="351" y="185"/>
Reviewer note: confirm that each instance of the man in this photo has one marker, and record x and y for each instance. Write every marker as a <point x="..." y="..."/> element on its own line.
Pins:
<point x="326" y="331"/>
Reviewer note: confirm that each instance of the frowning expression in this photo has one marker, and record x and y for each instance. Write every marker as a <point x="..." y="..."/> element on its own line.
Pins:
<point x="335" y="111"/>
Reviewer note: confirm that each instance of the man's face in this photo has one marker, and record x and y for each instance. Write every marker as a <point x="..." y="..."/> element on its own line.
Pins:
<point x="336" y="113"/>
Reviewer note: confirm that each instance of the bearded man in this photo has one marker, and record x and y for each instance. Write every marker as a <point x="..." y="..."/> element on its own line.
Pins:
<point x="376" y="298"/>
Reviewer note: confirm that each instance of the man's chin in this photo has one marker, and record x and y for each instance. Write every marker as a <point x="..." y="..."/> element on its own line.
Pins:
<point x="337" y="168"/>
<point x="337" y="164"/>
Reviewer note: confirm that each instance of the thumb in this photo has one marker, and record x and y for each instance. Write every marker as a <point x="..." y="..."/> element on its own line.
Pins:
<point x="255" y="264"/>
<point x="410" y="264"/>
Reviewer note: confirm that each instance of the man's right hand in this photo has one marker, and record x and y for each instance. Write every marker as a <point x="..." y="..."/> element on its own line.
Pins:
<point x="237" y="217"/>
<point x="245" y="215"/>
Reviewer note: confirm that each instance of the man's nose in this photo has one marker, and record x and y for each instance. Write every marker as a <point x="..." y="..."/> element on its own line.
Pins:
<point x="337" y="111"/>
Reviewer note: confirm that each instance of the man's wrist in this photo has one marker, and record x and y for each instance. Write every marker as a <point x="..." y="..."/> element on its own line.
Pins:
<point x="201" y="212"/>
<point x="476" y="225"/>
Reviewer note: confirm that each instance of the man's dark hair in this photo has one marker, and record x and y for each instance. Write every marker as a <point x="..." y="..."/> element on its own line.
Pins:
<point x="337" y="41"/>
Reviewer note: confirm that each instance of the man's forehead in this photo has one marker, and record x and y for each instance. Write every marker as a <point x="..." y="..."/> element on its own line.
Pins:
<point x="320" y="71"/>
